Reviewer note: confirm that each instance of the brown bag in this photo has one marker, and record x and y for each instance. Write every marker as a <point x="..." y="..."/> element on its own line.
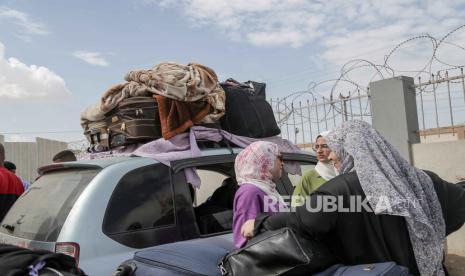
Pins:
<point x="134" y="120"/>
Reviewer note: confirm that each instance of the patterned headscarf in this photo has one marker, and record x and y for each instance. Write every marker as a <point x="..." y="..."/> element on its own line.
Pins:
<point x="254" y="166"/>
<point x="385" y="175"/>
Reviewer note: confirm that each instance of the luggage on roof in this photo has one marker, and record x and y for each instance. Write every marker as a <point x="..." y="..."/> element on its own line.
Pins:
<point x="169" y="99"/>
<point x="247" y="111"/>
<point x="134" y="120"/>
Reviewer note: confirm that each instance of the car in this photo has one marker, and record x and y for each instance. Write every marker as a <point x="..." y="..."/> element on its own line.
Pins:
<point x="205" y="256"/>
<point x="102" y="211"/>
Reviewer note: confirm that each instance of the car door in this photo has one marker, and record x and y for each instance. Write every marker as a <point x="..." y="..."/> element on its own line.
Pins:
<point x="213" y="170"/>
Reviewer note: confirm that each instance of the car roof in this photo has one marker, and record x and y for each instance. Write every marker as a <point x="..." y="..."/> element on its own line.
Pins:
<point x="108" y="161"/>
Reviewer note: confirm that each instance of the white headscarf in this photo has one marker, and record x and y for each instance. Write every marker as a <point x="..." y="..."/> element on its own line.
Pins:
<point x="325" y="170"/>
<point x="254" y="166"/>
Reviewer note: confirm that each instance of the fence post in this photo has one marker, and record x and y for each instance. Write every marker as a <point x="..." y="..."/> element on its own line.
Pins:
<point x="395" y="112"/>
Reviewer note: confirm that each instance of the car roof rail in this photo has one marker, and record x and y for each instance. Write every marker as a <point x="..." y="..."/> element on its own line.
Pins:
<point x="223" y="144"/>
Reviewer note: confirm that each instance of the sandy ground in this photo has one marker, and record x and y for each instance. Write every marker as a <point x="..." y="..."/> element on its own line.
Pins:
<point x="455" y="265"/>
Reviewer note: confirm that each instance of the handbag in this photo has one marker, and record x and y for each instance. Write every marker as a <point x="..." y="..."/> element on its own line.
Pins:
<point x="278" y="252"/>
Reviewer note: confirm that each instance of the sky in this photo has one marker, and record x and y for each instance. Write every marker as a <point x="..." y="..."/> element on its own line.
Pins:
<point x="58" y="57"/>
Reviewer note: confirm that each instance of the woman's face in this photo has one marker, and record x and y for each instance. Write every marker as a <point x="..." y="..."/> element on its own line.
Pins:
<point x="336" y="162"/>
<point x="322" y="150"/>
<point x="278" y="167"/>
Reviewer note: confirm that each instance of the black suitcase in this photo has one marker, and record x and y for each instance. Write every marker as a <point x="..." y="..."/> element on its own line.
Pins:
<point x="134" y="120"/>
<point x="247" y="111"/>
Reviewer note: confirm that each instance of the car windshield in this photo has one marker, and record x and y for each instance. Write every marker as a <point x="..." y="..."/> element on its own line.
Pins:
<point x="41" y="211"/>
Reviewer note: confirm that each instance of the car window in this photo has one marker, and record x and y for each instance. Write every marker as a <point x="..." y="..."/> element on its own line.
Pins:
<point x="143" y="199"/>
<point x="40" y="212"/>
<point x="210" y="181"/>
<point x="213" y="201"/>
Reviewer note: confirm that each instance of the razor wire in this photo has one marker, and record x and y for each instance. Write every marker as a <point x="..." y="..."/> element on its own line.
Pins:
<point x="285" y="107"/>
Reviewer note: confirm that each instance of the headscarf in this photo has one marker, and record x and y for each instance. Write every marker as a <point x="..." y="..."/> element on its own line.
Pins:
<point x="254" y="165"/>
<point x="384" y="174"/>
<point x="325" y="170"/>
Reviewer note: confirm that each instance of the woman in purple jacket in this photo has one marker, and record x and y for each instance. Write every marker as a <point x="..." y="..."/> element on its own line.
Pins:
<point x="256" y="167"/>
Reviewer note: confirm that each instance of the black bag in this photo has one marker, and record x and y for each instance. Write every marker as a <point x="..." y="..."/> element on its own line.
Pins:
<point x="134" y="120"/>
<point x="247" y="111"/>
<point x="279" y="252"/>
<point x="15" y="260"/>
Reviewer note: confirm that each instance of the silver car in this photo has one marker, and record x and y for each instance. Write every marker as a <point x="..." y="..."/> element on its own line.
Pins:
<point x="102" y="211"/>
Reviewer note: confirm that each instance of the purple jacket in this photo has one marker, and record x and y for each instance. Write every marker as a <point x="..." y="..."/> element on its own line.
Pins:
<point x="248" y="203"/>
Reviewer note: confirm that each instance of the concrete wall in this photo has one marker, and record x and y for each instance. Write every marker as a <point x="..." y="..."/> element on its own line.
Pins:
<point x="28" y="156"/>
<point x="24" y="156"/>
<point x="447" y="160"/>
<point x="443" y="134"/>
<point x="395" y="112"/>
<point x="46" y="149"/>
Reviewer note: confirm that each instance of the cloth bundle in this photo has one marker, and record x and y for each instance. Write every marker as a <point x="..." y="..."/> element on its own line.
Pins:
<point x="186" y="95"/>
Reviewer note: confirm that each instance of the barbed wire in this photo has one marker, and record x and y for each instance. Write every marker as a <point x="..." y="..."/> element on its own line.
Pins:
<point x="339" y="93"/>
<point x="345" y="89"/>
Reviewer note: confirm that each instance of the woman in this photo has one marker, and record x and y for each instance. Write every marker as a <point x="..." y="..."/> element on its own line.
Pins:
<point x="256" y="166"/>
<point x="413" y="210"/>
<point x="323" y="171"/>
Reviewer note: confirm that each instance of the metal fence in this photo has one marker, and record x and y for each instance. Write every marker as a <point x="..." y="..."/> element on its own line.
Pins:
<point x="440" y="108"/>
<point x="441" y="104"/>
<point x="301" y="120"/>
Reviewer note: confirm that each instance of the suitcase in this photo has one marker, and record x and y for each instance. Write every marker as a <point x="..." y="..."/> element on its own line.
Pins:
<point x="247" y="111"/>
<point x="134" y="120"/>
<point x="377" y="269"/>
<point x="97" y="134"/>
<point x="192" y="257"/>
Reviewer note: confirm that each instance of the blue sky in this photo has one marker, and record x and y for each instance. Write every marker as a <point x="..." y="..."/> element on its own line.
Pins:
<point x="57" y="57"/>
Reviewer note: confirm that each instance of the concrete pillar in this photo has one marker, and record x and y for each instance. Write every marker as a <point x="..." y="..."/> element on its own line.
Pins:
<point x="394" y="110"/>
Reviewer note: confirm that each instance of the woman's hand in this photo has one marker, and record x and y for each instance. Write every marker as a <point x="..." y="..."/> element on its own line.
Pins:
<point x="247" y="229"/>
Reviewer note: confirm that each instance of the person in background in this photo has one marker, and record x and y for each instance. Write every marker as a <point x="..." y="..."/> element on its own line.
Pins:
<point x="12" y="168"/>
<point x="10" y="186"/>
<point x="323" y="171"/>
<point x="64" y="156"/>
<point x="256" y="166"/>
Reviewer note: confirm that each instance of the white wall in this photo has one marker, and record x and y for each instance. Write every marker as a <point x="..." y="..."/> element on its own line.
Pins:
<point x="447" y="159"/>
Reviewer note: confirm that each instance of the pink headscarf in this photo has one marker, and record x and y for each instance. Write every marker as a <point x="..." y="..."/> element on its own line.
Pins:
<point x="254" y="166"/>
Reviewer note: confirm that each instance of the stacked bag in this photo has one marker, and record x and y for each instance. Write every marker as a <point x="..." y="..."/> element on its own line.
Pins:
<point x="247" y="111"/>
<point x="170" y="98"/>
